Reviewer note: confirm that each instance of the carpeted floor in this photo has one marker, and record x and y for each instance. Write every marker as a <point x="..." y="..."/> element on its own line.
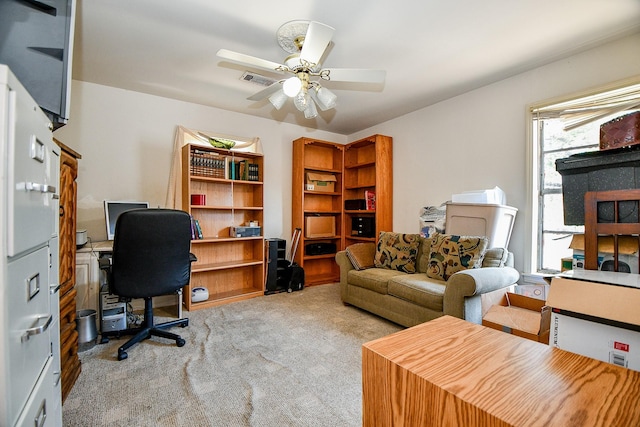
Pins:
<point x="279" y="360"/>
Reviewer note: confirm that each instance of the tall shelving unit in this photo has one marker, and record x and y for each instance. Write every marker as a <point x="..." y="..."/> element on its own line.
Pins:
<point x="368" y="167"/>
<point x="230" y="268"/>
<point x="315" y="156"/>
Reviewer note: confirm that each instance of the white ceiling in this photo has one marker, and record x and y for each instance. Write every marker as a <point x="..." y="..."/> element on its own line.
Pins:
<point x="431" y="49"/>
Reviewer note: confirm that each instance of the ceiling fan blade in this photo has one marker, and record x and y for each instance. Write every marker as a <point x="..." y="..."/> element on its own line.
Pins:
<point x="266" y="92"/>
<point x="249" y="60"/>
<point x="355" y="75"/>
<point x="316" y="41"/>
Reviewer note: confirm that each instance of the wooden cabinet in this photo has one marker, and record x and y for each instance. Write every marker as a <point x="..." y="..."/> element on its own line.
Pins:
<point x="69" y="361"/>
<point x="317" y="213"/>
<point x="368" y="171"/>
<point x="222" y="189"/>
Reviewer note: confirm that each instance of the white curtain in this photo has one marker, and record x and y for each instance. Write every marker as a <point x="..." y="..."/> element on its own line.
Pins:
<point x="190" y="136"/>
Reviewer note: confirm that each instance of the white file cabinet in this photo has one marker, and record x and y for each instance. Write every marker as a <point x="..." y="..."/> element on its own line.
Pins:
<point x="29" y="342"/>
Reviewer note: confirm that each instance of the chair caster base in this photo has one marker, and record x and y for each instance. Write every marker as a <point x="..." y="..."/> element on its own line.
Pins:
<point x="122" y="355"/>
<point x="180" y="342"/>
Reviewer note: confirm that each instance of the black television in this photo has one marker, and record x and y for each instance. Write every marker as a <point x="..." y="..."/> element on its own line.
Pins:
<point x="113" y="209"/>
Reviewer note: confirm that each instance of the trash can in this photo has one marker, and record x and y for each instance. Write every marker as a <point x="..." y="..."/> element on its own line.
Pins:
<point x="87" y="330"/>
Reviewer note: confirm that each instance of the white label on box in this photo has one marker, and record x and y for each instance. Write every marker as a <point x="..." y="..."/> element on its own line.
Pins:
<point x="606" y="343"/>
<point x="310" y="187"/>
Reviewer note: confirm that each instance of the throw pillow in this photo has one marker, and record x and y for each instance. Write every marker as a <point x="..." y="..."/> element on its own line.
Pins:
<point x="361" y="255"/>
<point x="495" y="257"/>
<point x="450" y="253"/>
<point x="397" y="251"/>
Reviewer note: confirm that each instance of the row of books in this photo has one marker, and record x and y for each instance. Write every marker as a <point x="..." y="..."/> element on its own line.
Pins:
<point x="196" y="230"/>
<point x="206" y="163"/>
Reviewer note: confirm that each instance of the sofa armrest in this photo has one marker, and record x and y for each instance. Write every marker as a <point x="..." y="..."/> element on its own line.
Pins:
<point x="475" y="281"/>
<point x="345" y="265"/>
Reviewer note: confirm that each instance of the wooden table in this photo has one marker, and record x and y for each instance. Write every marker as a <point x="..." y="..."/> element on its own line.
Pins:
<point x="455" y="373"/>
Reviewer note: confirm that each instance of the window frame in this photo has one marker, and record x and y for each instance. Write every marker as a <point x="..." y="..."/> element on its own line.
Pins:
<point x="534" y="212"/>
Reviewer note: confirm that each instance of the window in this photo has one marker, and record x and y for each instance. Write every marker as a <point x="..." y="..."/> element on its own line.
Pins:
<point x="559" y="130"/>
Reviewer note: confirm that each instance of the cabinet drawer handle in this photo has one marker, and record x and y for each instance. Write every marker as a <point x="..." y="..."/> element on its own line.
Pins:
<point x="41" y="416"/>
<point x="36" y="330"/>
<point x="43" y="188"/>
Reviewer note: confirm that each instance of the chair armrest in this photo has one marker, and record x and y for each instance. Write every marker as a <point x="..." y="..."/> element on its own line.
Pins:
<point x="475" y="281"/>
<point x="192" y="257"/>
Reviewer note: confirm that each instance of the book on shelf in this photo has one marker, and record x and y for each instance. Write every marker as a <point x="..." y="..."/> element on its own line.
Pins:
<point x="254" y="172"/>
<point x="205" y="163"/>
<point x="370" y="200"/>
<point x="196" y="230"/>
<point x="242" y="170"/>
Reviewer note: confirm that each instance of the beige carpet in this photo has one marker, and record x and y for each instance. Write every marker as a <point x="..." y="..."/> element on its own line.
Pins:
<point x="279" y="360"/>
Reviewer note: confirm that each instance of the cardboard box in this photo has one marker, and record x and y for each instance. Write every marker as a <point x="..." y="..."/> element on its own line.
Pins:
<point x="533" y="285"/>
<point x="521" y="316"/>
<point x="533" y="291"/>
<point x="320" y="226"/>
<point x="627" y="253"/>
<point x="595" y="314"/>
<point x="324" y="182"/>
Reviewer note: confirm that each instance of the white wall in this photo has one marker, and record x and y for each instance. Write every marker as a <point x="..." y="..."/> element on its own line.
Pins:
<point x="474" y="141"/>
<point x="478" y="140"/>
<point x="126" y="141"/>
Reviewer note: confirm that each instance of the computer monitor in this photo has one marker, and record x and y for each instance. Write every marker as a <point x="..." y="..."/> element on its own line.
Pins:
<point x="113" y="209"/>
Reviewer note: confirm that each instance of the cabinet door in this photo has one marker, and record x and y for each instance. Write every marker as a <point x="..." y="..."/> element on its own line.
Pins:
<point x="68" y="174"/>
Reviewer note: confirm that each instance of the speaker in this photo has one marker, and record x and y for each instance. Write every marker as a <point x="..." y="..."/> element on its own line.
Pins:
<point x="355" y="205"/>
<point x="320" y="248"/>
<point x="277" y="264"/>
<point x="363" y="226"/>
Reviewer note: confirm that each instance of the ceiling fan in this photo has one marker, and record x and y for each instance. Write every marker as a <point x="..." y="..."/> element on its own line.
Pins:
<point x="306" y="42"/>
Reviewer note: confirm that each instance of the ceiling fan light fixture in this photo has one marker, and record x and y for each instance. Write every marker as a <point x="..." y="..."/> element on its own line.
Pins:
<point x="310" y="112"/>
<point x="302" y="100"/>
<point x="292" y="86"/>
<point x="325" y="98"/>
<point x="278" y="99"/>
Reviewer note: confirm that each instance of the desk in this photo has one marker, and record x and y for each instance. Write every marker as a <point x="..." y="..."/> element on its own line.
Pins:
<point x="455" y="373"/>
<point x="89" y="279"/>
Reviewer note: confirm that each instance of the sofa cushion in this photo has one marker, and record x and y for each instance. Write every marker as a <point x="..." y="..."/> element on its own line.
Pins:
<point x="495" y="257"/>
<point x="423" y="254"/>
<point x="450" y="253"/>
<point x="375" y="279"/>
<point x="418" y="289"/>
<point x="361" y="255"/>
<point x="397" y="251"/>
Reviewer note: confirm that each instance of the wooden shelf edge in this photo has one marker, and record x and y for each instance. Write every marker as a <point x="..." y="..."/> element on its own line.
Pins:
<point x="227" y="208"/>
<point x="360" y="211"/>
<point x="360" y="165"/>
<point x="225" y="239"/>
<point x="225" y="298"/>
<point x="225" y="265"/>
<point x="205" y="178"/>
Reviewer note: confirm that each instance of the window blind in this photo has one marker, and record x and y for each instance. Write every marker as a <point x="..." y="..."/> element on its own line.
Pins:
<point x="580" y="111"/>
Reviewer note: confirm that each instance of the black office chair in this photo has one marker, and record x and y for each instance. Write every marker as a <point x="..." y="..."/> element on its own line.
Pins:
<point x="151" y="257"/>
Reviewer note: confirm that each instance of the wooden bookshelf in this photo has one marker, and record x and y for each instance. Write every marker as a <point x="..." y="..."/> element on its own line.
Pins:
<point x="230" y="268"/>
